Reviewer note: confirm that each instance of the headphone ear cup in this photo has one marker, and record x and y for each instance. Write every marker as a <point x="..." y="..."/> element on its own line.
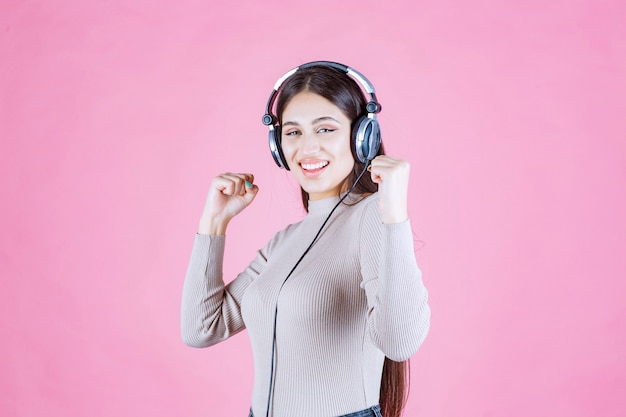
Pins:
<point x="276" y="149"/>
<point x="366" y="139"/>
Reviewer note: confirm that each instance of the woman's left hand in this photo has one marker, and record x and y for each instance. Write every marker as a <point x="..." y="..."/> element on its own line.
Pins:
<point x="392" y="177"/>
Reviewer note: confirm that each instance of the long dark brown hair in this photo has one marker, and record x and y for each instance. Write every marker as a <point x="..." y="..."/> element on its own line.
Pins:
<point x="341" y="90"/>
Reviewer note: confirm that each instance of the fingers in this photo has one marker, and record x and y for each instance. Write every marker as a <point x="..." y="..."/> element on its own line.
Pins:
<point x="235" y="184"/>
<point x="376" y="178"/>
<point x="385" y="167"/>
<point x="392" y="176"/>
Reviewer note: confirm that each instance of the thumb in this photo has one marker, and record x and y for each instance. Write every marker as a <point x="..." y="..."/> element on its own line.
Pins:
<point x="376" y="178"/>
<point x="251" y="192"/>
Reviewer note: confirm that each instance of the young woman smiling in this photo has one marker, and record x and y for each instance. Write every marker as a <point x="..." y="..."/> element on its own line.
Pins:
<point x="334" y="304"/>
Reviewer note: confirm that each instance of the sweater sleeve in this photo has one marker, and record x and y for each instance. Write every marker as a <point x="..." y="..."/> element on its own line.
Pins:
<point x="211" y="310"/>
<point x="398" y="315"/>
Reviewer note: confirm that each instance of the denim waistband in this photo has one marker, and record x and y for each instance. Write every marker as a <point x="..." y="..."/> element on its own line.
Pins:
<point x="368" y="412"/>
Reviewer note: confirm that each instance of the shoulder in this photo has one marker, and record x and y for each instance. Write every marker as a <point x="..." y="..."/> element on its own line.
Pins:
<point x="281" y="236"/>
<point x="364" y="212"/>
<point x="363" y="202"/>
<point x="367" y="206"/>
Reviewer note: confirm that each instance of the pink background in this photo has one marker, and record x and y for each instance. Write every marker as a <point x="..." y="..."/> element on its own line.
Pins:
<point x="115" y="115"/>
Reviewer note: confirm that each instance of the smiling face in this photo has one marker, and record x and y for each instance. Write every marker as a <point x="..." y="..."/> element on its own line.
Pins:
<point x="316" y="144"/>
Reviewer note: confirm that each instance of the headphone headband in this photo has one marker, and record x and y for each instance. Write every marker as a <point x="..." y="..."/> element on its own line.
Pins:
<point x="372" y="106"/>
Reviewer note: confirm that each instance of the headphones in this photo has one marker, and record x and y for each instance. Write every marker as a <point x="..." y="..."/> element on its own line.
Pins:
<point x="365" y="134"/>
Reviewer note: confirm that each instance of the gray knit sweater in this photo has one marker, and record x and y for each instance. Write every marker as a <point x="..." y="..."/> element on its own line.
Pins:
<point x="355" y="298"/>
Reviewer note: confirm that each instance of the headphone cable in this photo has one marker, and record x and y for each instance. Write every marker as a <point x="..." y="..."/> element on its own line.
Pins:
<point x="269" y="395"/>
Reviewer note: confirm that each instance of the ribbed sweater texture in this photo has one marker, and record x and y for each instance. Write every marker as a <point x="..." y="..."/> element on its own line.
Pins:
<point x="356" y="297"/>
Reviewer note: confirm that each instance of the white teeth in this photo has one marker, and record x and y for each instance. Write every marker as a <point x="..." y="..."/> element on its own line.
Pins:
<point x="315" y="166"/>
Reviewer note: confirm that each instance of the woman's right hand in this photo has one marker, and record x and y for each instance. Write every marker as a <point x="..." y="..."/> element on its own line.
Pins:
<point x="229" y="194"/>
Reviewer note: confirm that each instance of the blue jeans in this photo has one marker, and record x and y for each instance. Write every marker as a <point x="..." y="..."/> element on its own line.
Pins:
<point x="368" y="412"/>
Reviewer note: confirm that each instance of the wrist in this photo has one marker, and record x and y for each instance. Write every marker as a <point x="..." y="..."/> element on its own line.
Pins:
<point x="212" y="226"/>
<point x="394" y="211"/>
<point x="392" y="218"/>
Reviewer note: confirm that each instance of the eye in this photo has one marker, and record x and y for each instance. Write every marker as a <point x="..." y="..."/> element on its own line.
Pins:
<point x="291" y="133"/>
<point x="325" y="130"/>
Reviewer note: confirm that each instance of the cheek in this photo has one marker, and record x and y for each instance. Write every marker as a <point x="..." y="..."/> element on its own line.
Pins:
<point x="288" y="154"/>
<point x="288" y="149"/>
<point x="346" y="151"/>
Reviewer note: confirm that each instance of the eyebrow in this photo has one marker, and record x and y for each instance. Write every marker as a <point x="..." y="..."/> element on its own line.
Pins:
<point x="319" y="119"/>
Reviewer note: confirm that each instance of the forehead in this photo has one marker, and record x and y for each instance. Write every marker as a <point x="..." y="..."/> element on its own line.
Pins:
<point x="308" y="106"/>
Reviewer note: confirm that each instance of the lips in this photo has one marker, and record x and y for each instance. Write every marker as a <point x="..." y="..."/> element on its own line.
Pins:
<point x="313" y="168"/>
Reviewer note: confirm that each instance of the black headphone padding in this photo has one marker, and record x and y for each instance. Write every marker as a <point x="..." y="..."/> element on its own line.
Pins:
<point x="274" y="139"/>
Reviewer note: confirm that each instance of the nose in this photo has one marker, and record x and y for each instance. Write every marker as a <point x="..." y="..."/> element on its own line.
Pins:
<point x="310" y="144"/>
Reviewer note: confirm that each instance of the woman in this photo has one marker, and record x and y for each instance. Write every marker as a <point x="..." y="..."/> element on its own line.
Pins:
<point x="332" y="300"/>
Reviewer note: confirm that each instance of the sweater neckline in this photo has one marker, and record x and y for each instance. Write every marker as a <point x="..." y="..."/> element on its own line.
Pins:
<point x="325" y="205"/>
